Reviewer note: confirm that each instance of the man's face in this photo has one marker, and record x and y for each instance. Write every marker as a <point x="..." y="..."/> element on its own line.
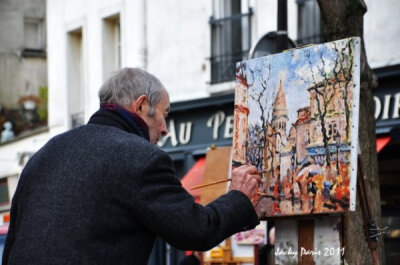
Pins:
<point x="157" y="124"/>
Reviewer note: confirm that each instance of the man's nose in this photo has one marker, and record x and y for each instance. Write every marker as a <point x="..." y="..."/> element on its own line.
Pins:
<point x="164" y="129"/>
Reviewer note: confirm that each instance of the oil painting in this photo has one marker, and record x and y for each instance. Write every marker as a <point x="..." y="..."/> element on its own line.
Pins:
<point x="296" y="119"/>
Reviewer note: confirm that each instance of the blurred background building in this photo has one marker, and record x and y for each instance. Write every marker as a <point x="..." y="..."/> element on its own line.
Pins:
<point x="23" y="93"/>
<point x="55" y="54"/>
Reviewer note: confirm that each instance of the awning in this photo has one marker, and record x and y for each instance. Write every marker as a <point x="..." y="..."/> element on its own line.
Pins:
<point x="194" y="177"/>
<point x="5" y="223"/>
<point x="381" y="142"/>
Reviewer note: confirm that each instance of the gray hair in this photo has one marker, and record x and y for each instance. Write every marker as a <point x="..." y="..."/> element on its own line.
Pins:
<point x="128" y="84"/>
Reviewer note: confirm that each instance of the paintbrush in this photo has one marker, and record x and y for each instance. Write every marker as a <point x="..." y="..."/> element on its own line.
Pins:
<point x="219" y="181"/>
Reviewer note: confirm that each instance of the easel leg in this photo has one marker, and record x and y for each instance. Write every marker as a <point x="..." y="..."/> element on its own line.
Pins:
<point x="256" y="255"/>
<point x="370" y="228"/>
<point x="306" y="241"/>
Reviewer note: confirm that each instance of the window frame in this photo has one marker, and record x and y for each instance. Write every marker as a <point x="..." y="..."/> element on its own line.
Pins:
<point x="40" y="49"/>
<point x="222" y="57"/>
<point x="305" y="33"/>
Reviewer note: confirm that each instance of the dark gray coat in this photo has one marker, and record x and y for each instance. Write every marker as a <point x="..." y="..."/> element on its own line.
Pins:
<point x="99" y="194"/>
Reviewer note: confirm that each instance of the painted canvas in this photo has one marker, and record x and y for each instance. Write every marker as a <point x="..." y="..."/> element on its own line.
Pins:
<point x="296" y="118"/>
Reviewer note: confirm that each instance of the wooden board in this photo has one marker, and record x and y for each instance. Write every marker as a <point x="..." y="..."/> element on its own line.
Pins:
<point x="217" y="168"/>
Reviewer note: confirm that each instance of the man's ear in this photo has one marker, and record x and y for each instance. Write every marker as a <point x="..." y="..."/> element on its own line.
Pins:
<point x="140" y="105"/>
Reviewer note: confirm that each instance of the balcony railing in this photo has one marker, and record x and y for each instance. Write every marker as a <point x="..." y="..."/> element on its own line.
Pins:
<point x="223" y="66"/>
<point x="230" y="43"/>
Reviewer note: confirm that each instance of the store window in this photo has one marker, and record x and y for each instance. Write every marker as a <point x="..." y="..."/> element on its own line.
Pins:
<point x="111" y="45"/>
<point x="309" y="22"/>
<point x="230" y="37"/>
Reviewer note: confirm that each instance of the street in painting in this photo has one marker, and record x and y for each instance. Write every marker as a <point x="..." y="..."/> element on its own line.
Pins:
<point x="294" y="118"/>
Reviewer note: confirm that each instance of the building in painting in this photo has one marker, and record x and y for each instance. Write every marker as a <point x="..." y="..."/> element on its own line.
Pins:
<point x="241" y="112"/>
<point x="303" y="161"/>
<point x="301" y="134"/>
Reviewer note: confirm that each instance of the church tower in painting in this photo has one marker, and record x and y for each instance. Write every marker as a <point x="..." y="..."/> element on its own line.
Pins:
<point x="280" y="116"/>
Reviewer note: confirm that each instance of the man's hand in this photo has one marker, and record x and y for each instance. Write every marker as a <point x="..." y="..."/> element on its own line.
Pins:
<point x="246" y="179"/>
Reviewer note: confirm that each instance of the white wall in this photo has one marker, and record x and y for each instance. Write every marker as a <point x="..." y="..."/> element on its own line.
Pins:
<point x="65" y="16"/>
<point x="382" y="32"/>
<point x="171" y="39"/>
<point x="178" y="46"/>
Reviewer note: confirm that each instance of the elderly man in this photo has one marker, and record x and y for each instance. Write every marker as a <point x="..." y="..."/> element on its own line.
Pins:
<point x="101" y="193"/>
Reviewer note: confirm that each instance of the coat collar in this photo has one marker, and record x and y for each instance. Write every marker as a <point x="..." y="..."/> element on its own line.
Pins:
<point x="116" y="116"/>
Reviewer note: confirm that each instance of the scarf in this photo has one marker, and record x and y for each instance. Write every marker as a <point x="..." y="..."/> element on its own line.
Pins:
<point x="136" y="123"/>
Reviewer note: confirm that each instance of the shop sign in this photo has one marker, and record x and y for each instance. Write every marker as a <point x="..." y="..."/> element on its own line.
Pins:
<point x="215" y="124"/>
<point x="206" y="129"/>
<point x="387" y="106"/>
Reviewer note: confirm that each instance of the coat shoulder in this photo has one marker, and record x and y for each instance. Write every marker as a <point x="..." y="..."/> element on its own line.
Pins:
<point x="106" y="137"/>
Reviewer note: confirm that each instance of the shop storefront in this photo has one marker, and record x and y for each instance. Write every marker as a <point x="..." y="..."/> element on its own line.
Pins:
<point x="387" y="115"/>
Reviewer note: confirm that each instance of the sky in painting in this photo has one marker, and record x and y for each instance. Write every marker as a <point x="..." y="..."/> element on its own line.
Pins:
<point x="298" y="70"/>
